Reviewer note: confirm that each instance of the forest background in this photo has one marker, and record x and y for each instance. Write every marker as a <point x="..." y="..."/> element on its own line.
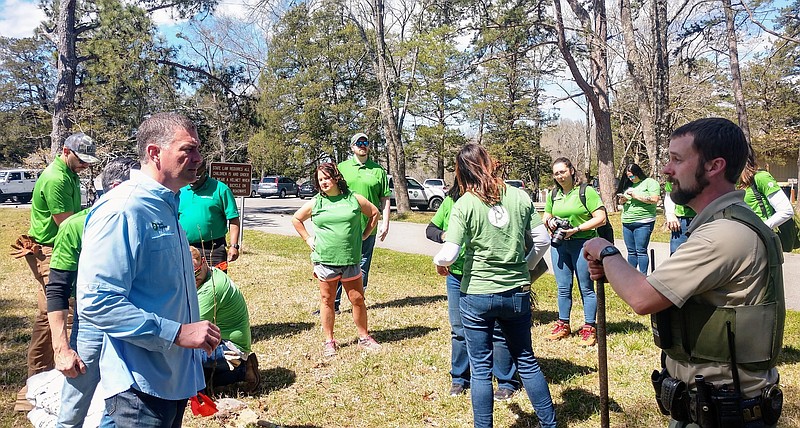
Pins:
<point x="284" y="84"/>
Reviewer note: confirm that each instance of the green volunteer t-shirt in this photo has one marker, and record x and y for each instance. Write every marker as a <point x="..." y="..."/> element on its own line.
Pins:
<point x="67" y="247"/>
<point x="441" y="220"/>
<point x="767" y="185"/>
<point x="368" y="180"/>
<point x="204" y="213"/>
<point x="56" y="191"/>
<point x="231" y="316"/>
<point x="569" y="207"/>
<point x="680" y="210"/>
<point x="493" y="236"/>
<point x="337" y="230"/>
<point x="635" y="210"/>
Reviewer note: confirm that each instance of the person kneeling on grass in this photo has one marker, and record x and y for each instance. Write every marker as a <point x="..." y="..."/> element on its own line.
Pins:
<point x="336" y="249"/>
<point x="223" y="304"/>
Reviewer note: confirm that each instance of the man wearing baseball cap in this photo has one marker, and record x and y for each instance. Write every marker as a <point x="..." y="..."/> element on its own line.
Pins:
<point x="368" y="179"/>
<point x="56" y="196"/>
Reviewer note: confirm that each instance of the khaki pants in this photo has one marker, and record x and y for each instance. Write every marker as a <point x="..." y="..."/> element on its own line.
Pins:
<point x="40" y="351"/>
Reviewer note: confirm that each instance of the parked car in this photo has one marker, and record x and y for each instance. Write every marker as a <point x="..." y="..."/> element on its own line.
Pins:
<point x="519" y="184"/>
<point x="419" y="196"/>
<point x="254" y="187"/>
<point x="437" y="183"/>
<point x="275" y="185"/>
<point x="17" y="184"/>
<point x="307" y="190"/>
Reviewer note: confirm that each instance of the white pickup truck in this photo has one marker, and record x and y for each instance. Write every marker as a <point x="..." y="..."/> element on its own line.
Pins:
<point x="17" y="184"/>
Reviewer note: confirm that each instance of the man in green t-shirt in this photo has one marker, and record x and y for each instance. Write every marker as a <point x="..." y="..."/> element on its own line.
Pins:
<point x="56" y="196"/>
<point x="679" y="217"/>
<point x="207" y="208"/>
<point x="222" y="303"/>
<point x="368" y="179"/>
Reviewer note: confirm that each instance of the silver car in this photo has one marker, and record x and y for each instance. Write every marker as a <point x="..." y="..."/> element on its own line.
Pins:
<point x="275" y="185"/>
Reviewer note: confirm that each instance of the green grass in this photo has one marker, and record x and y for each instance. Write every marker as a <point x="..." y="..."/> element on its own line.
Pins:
<point x="406" y="384"/>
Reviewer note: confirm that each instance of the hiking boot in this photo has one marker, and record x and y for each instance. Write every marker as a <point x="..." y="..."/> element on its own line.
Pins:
<point x="368" y="343"/>
<point x="457" y="389"/>
<point x="588" y="335"/>
<point x="503" y="394"/>
<point x="252" y="377"/>
<point x="22" y="404"/>
<point x="560" y="331"/>
<point x="329" y="348"/>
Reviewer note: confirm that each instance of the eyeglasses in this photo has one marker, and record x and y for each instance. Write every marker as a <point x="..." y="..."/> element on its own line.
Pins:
<point x="362" y="143"/>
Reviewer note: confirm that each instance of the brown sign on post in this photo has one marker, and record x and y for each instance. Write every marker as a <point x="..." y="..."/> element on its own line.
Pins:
<point x="238" y="176"/>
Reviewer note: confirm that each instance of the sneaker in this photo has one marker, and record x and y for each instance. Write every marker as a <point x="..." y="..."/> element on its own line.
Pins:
<point x="457" y="389"/>
<point x="330" y="348"/>
<point x="368" y="343"/>
<point x="588" y="335"/>
<point x="503" y="394"/>
<point x="560" y="331"/>
<point x="252" y="377"/>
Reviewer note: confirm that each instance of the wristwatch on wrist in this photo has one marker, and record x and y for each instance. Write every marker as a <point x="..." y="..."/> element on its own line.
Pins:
<point x="235" y="246"/>
<point x="608" y="251"/>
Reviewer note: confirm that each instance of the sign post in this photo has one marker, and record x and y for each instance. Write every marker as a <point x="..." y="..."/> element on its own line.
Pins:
<point x="237" y="176"/>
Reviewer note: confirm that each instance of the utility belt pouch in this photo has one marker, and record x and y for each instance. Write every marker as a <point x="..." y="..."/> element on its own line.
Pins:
<point x="771" y="404"/>
<point x="660" y="326"/>
<point x="673" y="397"/>
<point x="702" y="406"/>
<point x="657" y="378"/>
<point x="728" y="406"/>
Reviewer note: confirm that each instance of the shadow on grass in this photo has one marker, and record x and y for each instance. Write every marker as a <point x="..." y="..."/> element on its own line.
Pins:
<point x="580" y="405"/>
<point x="408" y="301"/>
<point x="270" y="330"/>
<point x="558" y="370"/>
<point x="540" y="316"/>
<point x="397" y="334"/>
<point x="789" y="355"/>
<point x="15" y="334"/>
<point x="274" y="379"/>
<point x="627" y="326"/>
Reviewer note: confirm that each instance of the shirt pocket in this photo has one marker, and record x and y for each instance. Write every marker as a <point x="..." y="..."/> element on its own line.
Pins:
<point x="165" y="261"/>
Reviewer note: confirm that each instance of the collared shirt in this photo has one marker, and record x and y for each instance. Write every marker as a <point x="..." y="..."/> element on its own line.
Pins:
<point x="56" y="191"/>
<point x="136" y="285"/>
<point x="205" y="212"/>
<point x="368" y="180"/>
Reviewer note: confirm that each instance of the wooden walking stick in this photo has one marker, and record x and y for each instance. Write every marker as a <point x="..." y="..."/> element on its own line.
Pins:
<point x="602" y="352"/>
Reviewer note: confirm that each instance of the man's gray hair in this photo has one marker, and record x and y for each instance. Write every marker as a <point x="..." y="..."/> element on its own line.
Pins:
<point x="159" y="129"/>
<point x="117" y="171"/>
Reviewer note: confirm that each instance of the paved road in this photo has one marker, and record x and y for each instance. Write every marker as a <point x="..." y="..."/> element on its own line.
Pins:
<point x="274" y="215"/>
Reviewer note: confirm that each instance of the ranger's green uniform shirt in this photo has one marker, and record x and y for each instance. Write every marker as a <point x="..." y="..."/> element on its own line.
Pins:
<point x="767" y="185"/>
<point x="68" y="240"/>
<point x="680" y="210"/>
<point x="232" y="317"/>
<point x="569" y="207"/>
<point x="368" y="180"/>
<point x="494" y="240"/>
<point x="441" y="220"/>
<point x="337" y="230"/>
<point x="635" y="210"/>
<point x="56" y="191"/>
<point x="204" y="213"/>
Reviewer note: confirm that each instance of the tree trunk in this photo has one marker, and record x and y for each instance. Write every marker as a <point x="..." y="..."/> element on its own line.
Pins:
<point x="736" y="77"/>
<point x="64" y="39"/>
<point x="391" y="129"/>
<point x="596" y="92"/>
<point x="661" y="110"/>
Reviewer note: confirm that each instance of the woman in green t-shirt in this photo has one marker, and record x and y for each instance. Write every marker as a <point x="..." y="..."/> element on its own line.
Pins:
<point x="336" y="249"/>
<point x="764" y="196"/>
<point x="638" y="195"/>
<point x="490" y="220"/>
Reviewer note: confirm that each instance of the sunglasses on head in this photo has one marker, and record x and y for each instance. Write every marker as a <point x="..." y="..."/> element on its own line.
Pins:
<point x="362" y="143"/>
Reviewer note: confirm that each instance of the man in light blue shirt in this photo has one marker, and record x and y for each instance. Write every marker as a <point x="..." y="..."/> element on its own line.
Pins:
<point x="136" y="283"/>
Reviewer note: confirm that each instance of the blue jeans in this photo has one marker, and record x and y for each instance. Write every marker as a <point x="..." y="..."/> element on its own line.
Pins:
<point x="568" y="260"/>
<point x="512" y="310"/>
<point x="637" y="238"/>
<point x="678" y="238"/>
<point x="367" y="246"/>
<point x="216" y="366"/>
<point x="503" y="366"/>
<point x="77" y="392"/>
<point x="134" y="408"/>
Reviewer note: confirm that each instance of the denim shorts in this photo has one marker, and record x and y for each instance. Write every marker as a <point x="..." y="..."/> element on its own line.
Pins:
<point x="333" y="273"/>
